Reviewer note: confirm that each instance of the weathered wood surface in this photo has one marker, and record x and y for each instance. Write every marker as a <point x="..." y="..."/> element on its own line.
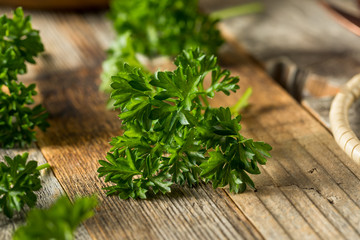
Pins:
<point x="301" y="41"/>
<point x="308" y="190"/>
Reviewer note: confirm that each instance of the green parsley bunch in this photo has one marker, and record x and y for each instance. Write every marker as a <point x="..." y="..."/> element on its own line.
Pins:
<point x="19" y="179"/>
<point x="58" y="222"/>
<point x="163" y="27"/>
<point x="172" y="135"/>
<point x="19" y="43"/>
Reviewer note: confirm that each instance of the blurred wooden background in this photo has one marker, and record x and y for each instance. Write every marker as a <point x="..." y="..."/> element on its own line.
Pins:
<point x="299" y="41"/>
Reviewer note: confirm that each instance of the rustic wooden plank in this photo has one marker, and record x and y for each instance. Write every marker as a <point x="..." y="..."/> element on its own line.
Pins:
<point x="311" y="213"/>
<point x="305" y="157"/>
<point x="286" y="214"/>
<point x="47" y="195"/>
<point x="332" y="214"/>
<point x="66" y="46"/>
<point x="259" y="214"/>
<point x="307" y="46"/>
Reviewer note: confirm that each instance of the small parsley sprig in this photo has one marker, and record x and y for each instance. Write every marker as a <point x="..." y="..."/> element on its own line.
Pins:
<point x="19" y="43"/>
<point x="19" y="179"/>
<point x="172" y="135"/>
<point x="58" y="222"/>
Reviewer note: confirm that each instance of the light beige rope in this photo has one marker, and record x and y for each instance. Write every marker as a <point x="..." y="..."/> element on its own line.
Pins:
<point x="339" y="122"/>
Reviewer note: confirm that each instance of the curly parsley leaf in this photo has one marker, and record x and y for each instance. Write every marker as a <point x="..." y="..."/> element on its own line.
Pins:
<point x="19" y="179"/>
<point x="172" y="135"/>
<point x="19" y="43"/>
<point x="17" y="120"/>
<point x="58" y="222"/>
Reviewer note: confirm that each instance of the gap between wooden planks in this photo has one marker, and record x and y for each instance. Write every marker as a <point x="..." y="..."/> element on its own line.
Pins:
<point x="308" y="190"/>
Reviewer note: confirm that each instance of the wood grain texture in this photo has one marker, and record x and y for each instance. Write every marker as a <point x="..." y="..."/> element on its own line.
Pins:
<point x="308" y="190"/>
<point x="307" y="166"/>
<point x="299" y="41"/>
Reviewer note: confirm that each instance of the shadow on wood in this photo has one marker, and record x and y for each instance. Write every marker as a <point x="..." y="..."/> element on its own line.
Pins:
<point x="77" y="107"/>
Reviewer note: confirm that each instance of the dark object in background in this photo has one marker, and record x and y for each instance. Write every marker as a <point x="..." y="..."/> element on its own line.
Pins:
<point x="56" y="5"/>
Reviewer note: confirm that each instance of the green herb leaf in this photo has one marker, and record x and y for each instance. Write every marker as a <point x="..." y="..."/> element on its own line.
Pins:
<point x="18" y="181"/>
<point x="19" y="43"/>
<point x="17" y="120"/>
<point x="58" y="222"/>
<point x="162" y="27"/>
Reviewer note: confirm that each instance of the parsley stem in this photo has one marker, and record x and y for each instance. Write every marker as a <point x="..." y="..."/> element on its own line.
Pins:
<point x="242" y="103"/>
<point x="203" y="97"/>
<point x="206" y="102"/>
<point x="242" y="9"/>
<point x="235" y="11"/>
<point x="43" y="166"/>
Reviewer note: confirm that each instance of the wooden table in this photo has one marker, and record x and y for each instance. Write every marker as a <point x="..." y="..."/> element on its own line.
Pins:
<point x="300" y="41"/>
<point x="308" y="190"/>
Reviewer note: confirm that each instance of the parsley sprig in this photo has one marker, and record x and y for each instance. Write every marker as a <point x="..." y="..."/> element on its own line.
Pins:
<point x="19" y="179"/>
<point x="19" y="43"/>
<point x="172" y="135"/>
<point x="58" y="222"/>
<point x="163" y="27"/>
